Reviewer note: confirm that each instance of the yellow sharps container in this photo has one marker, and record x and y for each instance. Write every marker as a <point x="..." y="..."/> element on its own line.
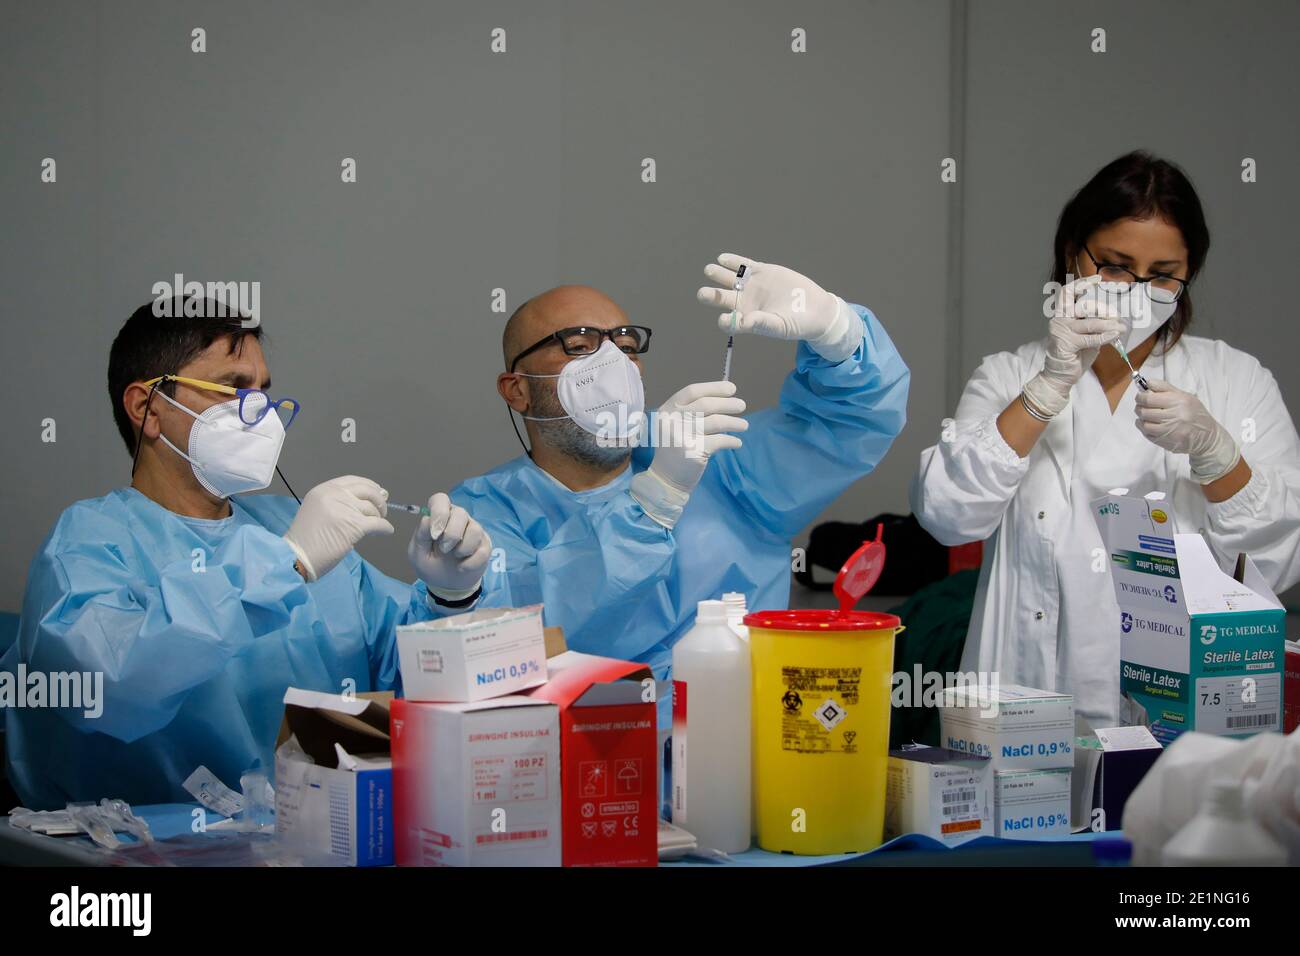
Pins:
<point x="821" y="695"/>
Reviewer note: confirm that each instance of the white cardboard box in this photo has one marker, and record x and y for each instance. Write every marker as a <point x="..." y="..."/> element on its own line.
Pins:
<point x="340" y="802"/>
<point x="1017" y="728"/>
<point x="939" y="793"/>
<point x="1031" y="804"/>
<point x="485" y="653"/>
<point x="477" y="784"/>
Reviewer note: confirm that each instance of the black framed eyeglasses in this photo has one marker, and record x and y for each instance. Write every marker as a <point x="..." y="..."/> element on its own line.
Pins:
<point x="1161" y="287"/>
<point x="586" y="339"/>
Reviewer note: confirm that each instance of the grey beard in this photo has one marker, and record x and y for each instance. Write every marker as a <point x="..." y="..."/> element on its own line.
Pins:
<point x="565" y="436"/>
<point x="570" y="439"/>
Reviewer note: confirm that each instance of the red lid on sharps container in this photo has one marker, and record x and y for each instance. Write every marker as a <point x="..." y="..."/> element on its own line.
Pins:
<point x="858" y="576"/>
<point x="822" y="620"/>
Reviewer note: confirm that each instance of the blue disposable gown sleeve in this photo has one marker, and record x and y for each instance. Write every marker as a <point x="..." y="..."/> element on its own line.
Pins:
<point x="157" y="640"/>
<point x="385" y="603"/>
<point x="598" y="567"/>
<point x="834" y="423"/>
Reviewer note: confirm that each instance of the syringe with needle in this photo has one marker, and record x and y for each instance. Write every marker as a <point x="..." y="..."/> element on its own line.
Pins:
<point x="1137" y="376"/>
<point x="735" y="314"/>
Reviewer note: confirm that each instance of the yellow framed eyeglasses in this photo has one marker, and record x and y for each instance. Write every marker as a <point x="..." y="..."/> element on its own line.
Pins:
<point x="254" y="403"/>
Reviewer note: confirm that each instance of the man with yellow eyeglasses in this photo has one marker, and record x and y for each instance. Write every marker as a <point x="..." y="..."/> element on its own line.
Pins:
<point x="188" y="608"/>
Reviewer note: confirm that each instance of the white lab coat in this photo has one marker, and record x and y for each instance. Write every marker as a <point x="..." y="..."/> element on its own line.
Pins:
<point x="1034" y="512"/>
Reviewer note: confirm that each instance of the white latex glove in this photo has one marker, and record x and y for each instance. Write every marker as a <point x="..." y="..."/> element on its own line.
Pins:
<point x="1173" y="790"/>
<point x="449" y="550"/>
<point x="1178" y="422"/>
<point x="1078" y="330"/>
<point x="780" y="303"/>
<point x="688" y="429"/>
<point x="334" y="516"/>
<point x="1276" y="801"/>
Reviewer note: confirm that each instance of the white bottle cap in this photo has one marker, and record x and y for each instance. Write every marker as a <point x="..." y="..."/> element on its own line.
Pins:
<point x="711" y="612"/>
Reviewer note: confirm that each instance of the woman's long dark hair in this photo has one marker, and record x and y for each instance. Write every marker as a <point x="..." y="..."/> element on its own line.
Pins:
<point x="1136" y="186"/>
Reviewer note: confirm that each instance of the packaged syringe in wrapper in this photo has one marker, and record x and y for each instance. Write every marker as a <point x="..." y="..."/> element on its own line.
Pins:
<point x="1199" y="649"/>
<point x="939" y="793"/>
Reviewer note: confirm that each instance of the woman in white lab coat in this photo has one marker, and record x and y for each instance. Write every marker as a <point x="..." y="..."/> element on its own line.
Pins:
<point x="1042" y="431"/>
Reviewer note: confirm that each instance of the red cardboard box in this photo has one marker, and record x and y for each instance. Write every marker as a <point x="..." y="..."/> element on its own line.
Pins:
<point x="609" y="805"/>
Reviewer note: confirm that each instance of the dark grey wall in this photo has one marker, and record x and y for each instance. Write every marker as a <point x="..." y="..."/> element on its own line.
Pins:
<point x="522" y="170"/>
<point x="1205" y="84"/>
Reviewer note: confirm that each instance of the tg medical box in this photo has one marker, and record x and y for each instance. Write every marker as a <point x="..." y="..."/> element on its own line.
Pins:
<point x="1199" y="649"/>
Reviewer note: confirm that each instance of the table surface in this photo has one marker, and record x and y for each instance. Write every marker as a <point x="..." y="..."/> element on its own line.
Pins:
<point x="22" y="848"/>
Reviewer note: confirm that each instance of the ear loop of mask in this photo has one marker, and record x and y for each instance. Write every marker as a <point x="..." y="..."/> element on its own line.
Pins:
<point x="135" y="458"/>
<point x="532" y="418"/>
<point x="538" y="418"/>
<point x="163" y="438"/>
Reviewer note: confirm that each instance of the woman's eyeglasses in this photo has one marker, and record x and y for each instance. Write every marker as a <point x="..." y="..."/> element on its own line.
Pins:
<point x="1162" y="287"/>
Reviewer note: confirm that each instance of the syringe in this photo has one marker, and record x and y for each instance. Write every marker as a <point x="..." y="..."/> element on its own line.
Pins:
<point x="735" y="314"/>
<point x="409" y="509"/>
<point x="1137" y="376"/>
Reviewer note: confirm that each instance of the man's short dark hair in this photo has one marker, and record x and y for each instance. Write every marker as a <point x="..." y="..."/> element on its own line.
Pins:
<point x="149" y="345"/>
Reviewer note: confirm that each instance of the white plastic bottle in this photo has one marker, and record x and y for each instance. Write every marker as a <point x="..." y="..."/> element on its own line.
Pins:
<point x="736" y="611"/>
<point x="711" y="732"/>
<point x="1223" y="834"/>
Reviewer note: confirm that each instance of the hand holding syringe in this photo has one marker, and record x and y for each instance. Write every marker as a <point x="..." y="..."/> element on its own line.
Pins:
<point x="1091" y="283"/>
<point x="449" y="549"/>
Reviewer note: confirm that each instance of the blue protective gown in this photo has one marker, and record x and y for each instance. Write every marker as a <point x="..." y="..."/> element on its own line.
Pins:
<point x="624" y="586"/>
<point x="195" y="663"/>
